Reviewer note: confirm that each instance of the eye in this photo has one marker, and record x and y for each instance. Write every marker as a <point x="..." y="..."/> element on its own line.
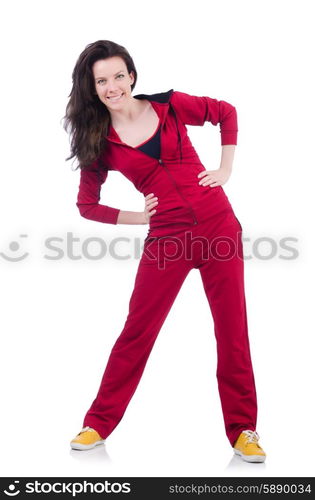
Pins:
<point x="118" y="76"/>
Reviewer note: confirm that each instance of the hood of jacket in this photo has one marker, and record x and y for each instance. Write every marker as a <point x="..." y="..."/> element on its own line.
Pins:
<point x="162" y="97"/>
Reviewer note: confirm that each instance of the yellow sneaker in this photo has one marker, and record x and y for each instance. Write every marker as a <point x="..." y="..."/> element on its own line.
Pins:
<point x="247" y="447"/>
<point x="86" y="439"/>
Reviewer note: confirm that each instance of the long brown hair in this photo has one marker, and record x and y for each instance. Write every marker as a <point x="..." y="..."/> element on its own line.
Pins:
<point x="86" y="116"/>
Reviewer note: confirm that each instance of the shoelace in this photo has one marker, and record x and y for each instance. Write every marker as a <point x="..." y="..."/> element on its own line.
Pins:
<point x="252" y="436"/>
<point x="86" y="429"/>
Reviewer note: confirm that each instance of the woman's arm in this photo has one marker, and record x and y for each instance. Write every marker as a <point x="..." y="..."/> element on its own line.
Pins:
<point x="227" y="157"/>
<point x="91" y="180"/>
<point x="88" y="200"/>
<point x="196" y="110"/>
<point x="126" y="217"/>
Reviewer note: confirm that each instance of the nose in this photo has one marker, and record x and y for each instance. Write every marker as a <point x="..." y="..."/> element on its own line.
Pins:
<point x="112" y="87"/>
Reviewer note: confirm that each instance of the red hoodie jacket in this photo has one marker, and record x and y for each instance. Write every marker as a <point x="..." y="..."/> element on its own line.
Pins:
<point x="173" y="177"/>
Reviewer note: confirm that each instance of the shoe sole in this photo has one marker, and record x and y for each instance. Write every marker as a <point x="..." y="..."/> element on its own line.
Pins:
<point x="81" y="447"/>
<point x="250" y="458"/>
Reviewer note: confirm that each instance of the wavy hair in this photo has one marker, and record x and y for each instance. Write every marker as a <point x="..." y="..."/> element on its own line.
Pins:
<point x="86" y="116"/>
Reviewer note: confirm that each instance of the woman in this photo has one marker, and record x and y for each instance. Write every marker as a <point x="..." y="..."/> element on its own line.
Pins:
<point x="191" y="225"/>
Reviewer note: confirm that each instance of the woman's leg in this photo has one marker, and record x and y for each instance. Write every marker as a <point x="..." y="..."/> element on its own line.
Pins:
<point x="223" y="280"/>
<point x="157" y="283"/>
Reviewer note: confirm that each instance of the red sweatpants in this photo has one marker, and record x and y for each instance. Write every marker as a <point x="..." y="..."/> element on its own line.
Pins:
<point x="214" y="247"/>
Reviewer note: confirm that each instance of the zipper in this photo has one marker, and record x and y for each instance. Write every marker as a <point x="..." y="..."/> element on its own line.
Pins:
<point x="178" y="190"/>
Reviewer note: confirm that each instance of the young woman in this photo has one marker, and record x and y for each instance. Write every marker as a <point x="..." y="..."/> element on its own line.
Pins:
<point x="191" y="226"/>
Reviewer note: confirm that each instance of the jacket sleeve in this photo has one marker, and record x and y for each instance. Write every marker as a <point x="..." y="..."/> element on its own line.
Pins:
<point x="91" y="180"/>
<point x="196" y="110"/>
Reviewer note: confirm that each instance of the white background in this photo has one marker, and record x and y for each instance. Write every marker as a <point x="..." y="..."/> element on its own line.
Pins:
<point x="60" y="318"/>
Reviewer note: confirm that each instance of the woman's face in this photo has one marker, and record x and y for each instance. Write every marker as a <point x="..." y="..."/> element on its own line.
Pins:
<point x="112" y="82"/>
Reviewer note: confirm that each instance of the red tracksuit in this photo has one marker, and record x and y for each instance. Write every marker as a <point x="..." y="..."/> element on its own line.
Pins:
<point x="194" y="227"/>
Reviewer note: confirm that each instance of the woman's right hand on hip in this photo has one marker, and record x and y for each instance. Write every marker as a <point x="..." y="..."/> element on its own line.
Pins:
<point x="150" y="203"/>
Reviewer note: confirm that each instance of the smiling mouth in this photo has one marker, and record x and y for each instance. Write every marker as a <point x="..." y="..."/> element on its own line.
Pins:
<point x="115" y="98"/>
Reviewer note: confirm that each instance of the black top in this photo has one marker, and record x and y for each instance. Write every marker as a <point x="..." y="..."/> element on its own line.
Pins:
<point x="153" y="146"/>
